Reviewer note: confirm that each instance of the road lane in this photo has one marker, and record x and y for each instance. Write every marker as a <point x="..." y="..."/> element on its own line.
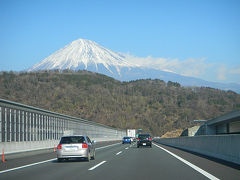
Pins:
<point x="205" y="173"/>
<point x="216" y="167"/>
<point x="26" y="158"/>
<point x="144" y="163"/>
<point x="131" y="163"/>
<point x="66" y="170"/>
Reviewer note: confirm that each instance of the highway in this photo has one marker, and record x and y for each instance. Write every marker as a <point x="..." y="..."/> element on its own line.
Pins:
<point x="115" y="161"/>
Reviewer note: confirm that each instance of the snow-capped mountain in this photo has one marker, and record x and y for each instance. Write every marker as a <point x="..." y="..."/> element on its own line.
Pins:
<point x="84" y="54"/>
<point x="88" y="55"/>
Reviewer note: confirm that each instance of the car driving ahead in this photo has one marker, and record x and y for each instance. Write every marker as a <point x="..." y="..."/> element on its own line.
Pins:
<point x="126" y="140"/>
<point x="76" y="146"/>
<point x="144" y="140"/>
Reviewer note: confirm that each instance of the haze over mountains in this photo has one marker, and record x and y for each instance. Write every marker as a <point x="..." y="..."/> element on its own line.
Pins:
<point x="88" y="55"/>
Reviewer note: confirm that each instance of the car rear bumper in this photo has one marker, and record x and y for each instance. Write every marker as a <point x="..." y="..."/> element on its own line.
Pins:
<point x="144" y="143"/>
<point x="75" y="154"/>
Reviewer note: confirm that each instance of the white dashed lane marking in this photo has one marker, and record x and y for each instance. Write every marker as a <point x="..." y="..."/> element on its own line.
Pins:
<point x="94" y="167"/>
<point x="119" y="153"/>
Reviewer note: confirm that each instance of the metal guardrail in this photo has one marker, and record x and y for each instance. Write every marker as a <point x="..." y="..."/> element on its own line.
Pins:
<point x="20" y="123"/>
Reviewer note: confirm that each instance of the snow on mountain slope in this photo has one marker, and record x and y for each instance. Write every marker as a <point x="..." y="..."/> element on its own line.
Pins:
<point x="83" y="54"/>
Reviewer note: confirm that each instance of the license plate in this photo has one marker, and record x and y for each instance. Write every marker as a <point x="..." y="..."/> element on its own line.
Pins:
<point x="144" y="144"/>
<point x="71" y="148"/>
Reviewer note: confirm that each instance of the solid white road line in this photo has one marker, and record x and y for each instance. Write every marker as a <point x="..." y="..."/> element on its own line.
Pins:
<point x="119" y="153"/>
<point x="33" y="164"/>
<point x="94" y="167"/>
<point x="208" y="175"/>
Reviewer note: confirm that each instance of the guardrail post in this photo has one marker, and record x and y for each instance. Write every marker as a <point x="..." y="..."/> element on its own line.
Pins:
<point x="50" y="127"/>
<point x="44" y="127"/>
<point x="34" y="127"/>
<point x="23" y="126"/>
<point x="0" y="124"/>
<point x="54" y="128"/>
<point x="30" y="126"/>
<point x="47" y="127"/>
<point x="10" y="125"/>
<point x="38" y="125"/>
<point x="19" y="126"/>
<point x="43" y="131"/>
<point x="41" y="127"/>
<point x="5" y="124"/>
<point x="27" y="126"/>
<point x="15" y="125"/>
<point x="58" y="128"/>
<point x="63" y="126"/>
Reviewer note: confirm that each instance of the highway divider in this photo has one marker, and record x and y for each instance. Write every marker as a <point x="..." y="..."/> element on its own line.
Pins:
<point x="225" y="147"/>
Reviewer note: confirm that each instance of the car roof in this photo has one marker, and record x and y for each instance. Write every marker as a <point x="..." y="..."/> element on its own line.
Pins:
<point x="74" y="136"/>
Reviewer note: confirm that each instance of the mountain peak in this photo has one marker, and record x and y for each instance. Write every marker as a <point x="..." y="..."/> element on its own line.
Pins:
<point x="83" y="54"/>
<point x="83" y="42"/>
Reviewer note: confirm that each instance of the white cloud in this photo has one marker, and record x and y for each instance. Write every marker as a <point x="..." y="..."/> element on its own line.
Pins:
<point x="235" y="71"/>
<point x="198" y="68"/>
<point x="188" y="67"/>
<point x="222" y="70"/>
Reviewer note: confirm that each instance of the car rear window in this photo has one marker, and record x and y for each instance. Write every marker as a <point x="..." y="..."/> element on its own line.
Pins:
<point x="126" y="138"/>
<point x="144" y="136"/>
<point x="72" y="140"/>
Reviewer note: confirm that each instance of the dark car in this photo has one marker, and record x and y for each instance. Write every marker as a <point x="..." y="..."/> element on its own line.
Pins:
<point x="144" y="140"/>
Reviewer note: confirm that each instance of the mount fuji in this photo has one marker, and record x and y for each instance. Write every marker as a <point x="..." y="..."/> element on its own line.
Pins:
<point x="88" y="55"/>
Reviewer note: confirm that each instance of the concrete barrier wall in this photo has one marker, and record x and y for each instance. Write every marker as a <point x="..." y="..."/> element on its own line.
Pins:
<point x="225" y="147"/>
<point x="26" y="128"/>
<point x="17" y="147"/>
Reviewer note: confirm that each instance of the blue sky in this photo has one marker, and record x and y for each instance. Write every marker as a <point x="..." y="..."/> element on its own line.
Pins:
<point x="199" y="38"/>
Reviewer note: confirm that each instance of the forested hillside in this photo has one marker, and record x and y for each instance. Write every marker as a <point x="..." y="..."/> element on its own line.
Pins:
<point x="153" y="105"/>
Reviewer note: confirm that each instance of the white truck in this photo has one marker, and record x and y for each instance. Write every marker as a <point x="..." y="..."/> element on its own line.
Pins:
<point x="131" y="133"/>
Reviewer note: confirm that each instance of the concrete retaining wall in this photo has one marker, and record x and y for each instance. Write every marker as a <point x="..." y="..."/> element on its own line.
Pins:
<point x="17" y="147"/>
<point x="226" y="147"/>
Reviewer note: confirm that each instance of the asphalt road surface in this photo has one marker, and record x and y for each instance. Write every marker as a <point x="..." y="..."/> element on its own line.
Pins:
<point x="115" y="161"/>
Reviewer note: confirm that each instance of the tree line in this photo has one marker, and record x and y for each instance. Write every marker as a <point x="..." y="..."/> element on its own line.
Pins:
<point x="152" y="105"/>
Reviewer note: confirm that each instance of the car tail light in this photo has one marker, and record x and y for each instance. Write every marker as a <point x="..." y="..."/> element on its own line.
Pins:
<point x="137" y="139"/>
<point x="59" y="146"/>
<point x="150" y="139"/>
<point x="84" y="145"/>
